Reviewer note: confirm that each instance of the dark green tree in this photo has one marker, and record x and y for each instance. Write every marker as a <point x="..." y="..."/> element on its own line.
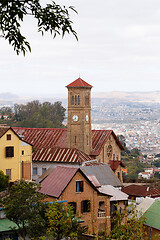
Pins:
<point x="35" y="114"/>
<point x="4" y="181"/>
<point x="23" y="206"/>
<point x="52" y="18"/>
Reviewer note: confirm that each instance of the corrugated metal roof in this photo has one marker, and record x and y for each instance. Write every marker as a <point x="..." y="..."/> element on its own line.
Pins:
<point x="51" y="137"/>
<point x="57" y="154"/>
<point x="79" y="83"/>
<point x="152" y="215"/>
<point x="56" y="182"/>
<point x="99" y="139"/>
<point x="43" y="137"/>
<point x="117" y="195"/>
<point x="103" y="173"/>
<point x="141" y="191"/>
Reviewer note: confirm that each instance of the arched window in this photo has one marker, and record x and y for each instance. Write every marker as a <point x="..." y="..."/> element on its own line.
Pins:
<point x="78" y="100"/>
<point x="72" y="100"/>
<point x="75" y="100"/>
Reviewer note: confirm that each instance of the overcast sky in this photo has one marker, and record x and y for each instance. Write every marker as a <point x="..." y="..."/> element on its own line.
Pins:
<point x="118" y="50"/>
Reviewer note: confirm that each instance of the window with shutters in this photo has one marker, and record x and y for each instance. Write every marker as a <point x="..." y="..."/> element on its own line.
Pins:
<point x="79" y="186"/>
<point x="9" y="151"/>
<point x="85" y="206"/>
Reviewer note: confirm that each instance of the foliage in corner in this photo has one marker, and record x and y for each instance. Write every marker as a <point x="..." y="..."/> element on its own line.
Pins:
<point x="4" y="181"/>
<point x="52" y="18"/>
<point x="25" y="208"/>
<point x="127" y="226"/>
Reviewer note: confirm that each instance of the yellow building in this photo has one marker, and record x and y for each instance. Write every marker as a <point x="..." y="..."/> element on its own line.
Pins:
<point x="15" y="155"/>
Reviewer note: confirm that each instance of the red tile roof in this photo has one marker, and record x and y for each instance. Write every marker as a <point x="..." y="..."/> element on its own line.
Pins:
<point x="57" y="154"/>
<point x="51" y="137"/>
<point x="141" y="191"/>
<point x="79" y="83"/>
<point x="114" y="164"/>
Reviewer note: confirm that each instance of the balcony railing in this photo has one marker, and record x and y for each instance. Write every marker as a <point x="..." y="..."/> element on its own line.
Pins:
<point x="101" y="214"/>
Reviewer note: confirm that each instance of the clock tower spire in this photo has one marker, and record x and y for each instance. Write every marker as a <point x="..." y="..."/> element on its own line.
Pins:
<point x="79" y="116"/>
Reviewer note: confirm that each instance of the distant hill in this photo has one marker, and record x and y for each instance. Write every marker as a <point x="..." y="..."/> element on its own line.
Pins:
<point x="150" y="97"/>
<point x="97" y="98"/>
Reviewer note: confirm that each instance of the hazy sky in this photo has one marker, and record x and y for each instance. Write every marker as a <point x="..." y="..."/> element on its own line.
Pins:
<point x="118" y="50"/>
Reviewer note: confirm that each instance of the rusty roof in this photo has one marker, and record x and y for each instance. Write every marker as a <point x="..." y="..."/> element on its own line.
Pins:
<point x="51" y="137"/>
<point x="57" y="154"/>
<point x="99" y="138"/>
<point x="79" y="83"/>
<point x="43" y="137"/>
<point x="141" y="191"/>
<point x="114" y="164"/>
<point x="56" y="182"/>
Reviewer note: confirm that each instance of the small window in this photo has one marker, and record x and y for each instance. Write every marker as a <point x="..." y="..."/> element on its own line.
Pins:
<point x="43" y="170"/>
<point x="22" y="152"/>
<point x="86" y="206"/>
<point x="79" y="186"/>
<point x="8" y="137"/>
<point x="9" y="151"/>
<point x="113" y="157"/>
<point x="74" y="206"/>
<point x="35" y="171"/>
<point x="72" y="100"/>
<point x="75" y="139"/>
<point x="8" y="173"/>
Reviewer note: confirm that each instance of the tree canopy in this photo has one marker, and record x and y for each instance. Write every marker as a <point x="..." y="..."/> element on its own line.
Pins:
<point x="52" y="18"/>
<point x="36" y="114"/>
<point x="23" y="206"/>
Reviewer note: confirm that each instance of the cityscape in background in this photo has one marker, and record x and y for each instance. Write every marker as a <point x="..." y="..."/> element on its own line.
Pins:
<point x="135" y="115"/>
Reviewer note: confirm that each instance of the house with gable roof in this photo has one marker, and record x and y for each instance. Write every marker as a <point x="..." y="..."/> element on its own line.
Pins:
<point x="15" y="155"/>
<point x="72" y="185"/>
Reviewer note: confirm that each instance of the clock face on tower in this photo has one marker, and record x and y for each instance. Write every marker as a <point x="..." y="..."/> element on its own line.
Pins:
<point x="75" y="118"/>
<point x="87" y="118"/>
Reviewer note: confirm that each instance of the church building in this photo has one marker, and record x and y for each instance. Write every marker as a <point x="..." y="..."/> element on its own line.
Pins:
<point x="102" y="145"/>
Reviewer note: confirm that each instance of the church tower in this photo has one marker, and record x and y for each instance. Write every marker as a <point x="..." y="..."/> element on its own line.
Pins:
<point x="79" y="116"/>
